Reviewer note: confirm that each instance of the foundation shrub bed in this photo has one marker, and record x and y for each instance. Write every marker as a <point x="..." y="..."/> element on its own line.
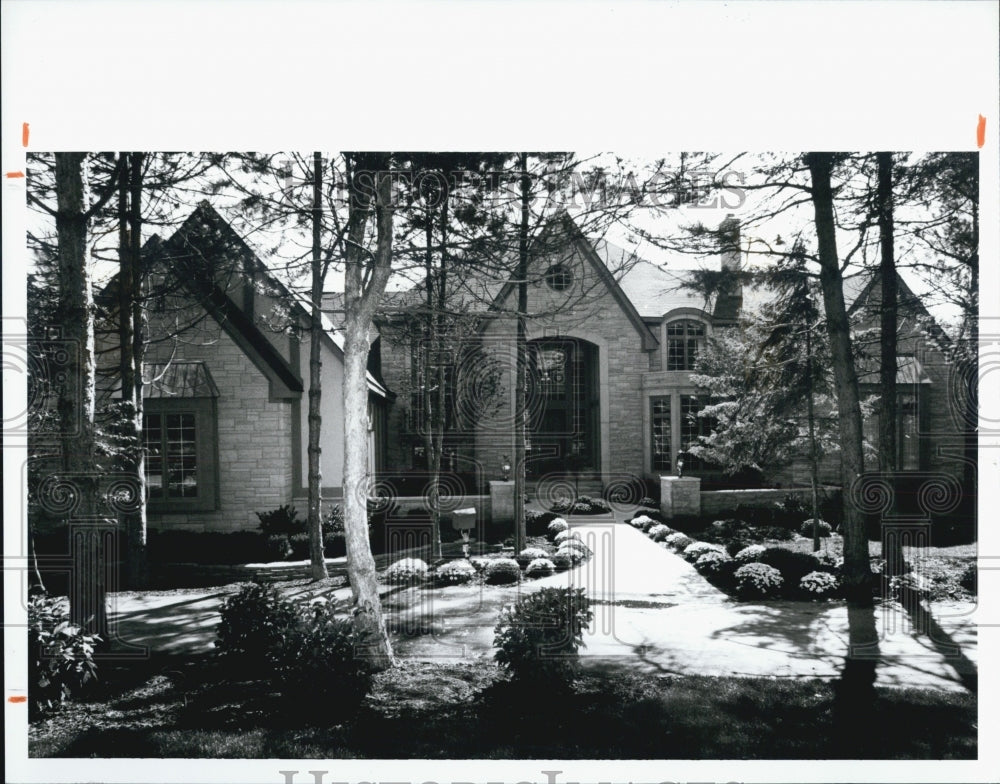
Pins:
<point x="539" y="638"/>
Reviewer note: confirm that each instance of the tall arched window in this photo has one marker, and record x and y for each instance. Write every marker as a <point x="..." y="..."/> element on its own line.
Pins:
<point x="685" y="338"/>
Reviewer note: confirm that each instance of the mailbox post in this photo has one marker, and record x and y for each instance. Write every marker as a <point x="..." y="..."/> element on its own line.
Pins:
<point x="464" y="520"/>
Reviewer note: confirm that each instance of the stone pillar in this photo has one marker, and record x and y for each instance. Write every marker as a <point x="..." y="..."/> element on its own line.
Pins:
<point x="680" y="496"/>
<point x="501" y="502"/>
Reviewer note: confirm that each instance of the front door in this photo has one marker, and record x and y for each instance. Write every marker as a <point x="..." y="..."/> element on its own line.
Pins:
<point x="563" y="407"/>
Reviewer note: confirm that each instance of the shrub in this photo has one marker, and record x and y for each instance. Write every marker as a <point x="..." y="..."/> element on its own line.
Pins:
<point x="641" y="521"/>
<point x="758" y="580"/>
<point x="300" y="546"/>
<point x="806" y="529"/>
<point x="647" y="501"/>
<point x="334" y="545"/>
<point x="561" y="505"/>
<point x="455" y="573"/>
<point x="792" y="565"/>
<point x="536" y="522"/>
<point x="556" y="526"/>
<point x="540" y="567"/>
<point x="529" y="554"/>
<point x="539" y="638"/>
<point x="827" y="561"/>
<point x="318" y="660"/>
<point x="575" y="556"/>
<point x="695" y="550"/>
<point x="750" y="553"/>
<point x="283" y="520"/>
<point x="501" y="571"/>
<point x="576" y="545"/>
<point x="600" y="505"/>
<point x="711" y="563"/>
<point x="278" y="547"/>
<point x="789" y="510"/>
<point x="60" y="655"/>
<point x="677" y="541"/>
<point x="561" y="561"/>
<point x="659" y="532"/>
<point x="819" y="585"/>
<point x="255" y="624"/>
<point x="562" y="536"/>
<point x="406" y="571"/>
<point x="968" y="579"/>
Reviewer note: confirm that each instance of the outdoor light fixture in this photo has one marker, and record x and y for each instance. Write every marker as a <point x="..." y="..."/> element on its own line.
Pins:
<point x="505" y="468"/>
<point x="680" y="466"/>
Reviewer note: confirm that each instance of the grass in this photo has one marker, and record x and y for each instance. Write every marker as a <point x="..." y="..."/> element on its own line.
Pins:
<point x="470" y="710"/>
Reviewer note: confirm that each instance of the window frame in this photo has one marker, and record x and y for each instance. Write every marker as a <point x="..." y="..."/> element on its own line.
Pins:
<point x="206" y="454"/>
<point x="686" y="340"/>
<point x="654" y="419"/>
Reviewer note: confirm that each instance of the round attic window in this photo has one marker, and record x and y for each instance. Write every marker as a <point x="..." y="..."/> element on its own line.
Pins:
<point x="559" y="277"/>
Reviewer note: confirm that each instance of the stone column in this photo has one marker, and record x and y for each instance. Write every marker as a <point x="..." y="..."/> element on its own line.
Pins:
<point x="501" y="502"/>
<point x="680" y="496"/>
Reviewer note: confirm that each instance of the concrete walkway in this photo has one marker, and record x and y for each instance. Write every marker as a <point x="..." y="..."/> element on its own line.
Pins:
<point x="652" y="612"/>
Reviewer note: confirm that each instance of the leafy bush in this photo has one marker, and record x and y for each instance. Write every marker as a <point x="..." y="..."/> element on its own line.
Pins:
<point x="60" y="655"/>
<point x="334" y="545"/>
<point x="502" y="571"/>
<point x="561" y="505"/>
<point x="479" y="563"/>
<point x="819" y="585"/>
<point x="647" y="501"/>
<point x="968" y="579"/>
<point x="789" y="511"/>
<point x="695" y="550"/>
<point x="300" y="546"/>
<point x="600" y="505"/>
<point x="536" y="523"/>
<point x="750" y="553"/>
<point x="561" y="561"/>
<point x="677" y="541"/>
<point x="318" y="660"/>
<point x="540" y="567"/>
<point x="758" y="580"/>
<point x="792" y="565"/>
<point x="283" y="520"/>
<point x="575" y="556"/>
<point x="659" y="532"/>
<point x="827" y="561"/>
<point x="711" y="562"/>
<point x="406" y="571"/>
<point x="255" y="624"/>
<point x="556" y="526"/>
<point x="455" y="573"/>
<point x="576" y="545"/>
<point x="806" y="529"/>
<point x="278" y="547"/>
<point x="529" y="554"/>
<point x="642" y="521"/>
<point x="562" y="536"/>
<point x="539" y="638"/>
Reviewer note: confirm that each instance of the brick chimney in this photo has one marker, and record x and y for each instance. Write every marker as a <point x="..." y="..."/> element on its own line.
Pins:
<point x="730" y="298"/>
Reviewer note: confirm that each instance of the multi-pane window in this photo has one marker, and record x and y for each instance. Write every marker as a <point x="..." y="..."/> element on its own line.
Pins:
<point x="171" y="455"/>
<point x="684" y="339"/>
<point x="907" y="435"/>
<point x="660" y="419"/>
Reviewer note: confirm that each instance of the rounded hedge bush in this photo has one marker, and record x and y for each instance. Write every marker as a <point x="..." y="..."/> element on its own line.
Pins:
<point x="502" y="571"/>
<point x="819" y="585"/>
<point x="640" y="521"/>
<point x="711" y="562"/>
<point x="806" y="529"/>
<point x="792" y="565"/>
<point x="556" y="526"/>
<point x="479" y="563"/>
<point x="758" y="580"/>
<point x="575" y="544"/>
<point x="575" y="556"/>
<point x="561" y="561"/>
<point x="455" y="573"/>
<point x="529" y="554"/>
<point x="562" y="536"/>
<point x="750" y="553"/>
<point x="659" y="532"/>
<point x="406" y="571"/>
<point x="678" y="541"/>
<point x="540" y="567"/>
<point x="695" y="550"/>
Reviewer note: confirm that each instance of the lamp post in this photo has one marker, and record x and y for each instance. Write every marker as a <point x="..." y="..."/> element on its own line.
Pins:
<point x="505" y="468"/>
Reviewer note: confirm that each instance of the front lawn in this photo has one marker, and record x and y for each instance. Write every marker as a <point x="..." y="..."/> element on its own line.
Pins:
<point x="188" y="708"/>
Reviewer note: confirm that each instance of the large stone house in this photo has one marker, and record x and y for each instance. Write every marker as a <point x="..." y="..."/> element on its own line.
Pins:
<point x="612" y="344"/>
<point x="225" y="404"/>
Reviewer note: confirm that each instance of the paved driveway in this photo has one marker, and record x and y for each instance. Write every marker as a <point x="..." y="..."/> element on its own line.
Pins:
<point x="652" y="611"/>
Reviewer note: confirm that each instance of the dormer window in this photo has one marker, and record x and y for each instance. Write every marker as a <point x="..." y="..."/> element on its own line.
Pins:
<point x="685" y="338"/>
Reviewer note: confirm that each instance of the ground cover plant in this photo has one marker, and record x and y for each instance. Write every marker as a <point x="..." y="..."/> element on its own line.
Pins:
<point x="175" y="708"/>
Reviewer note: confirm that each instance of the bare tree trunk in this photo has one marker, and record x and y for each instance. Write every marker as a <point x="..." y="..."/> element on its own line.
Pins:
<point x="88" y="586"/>
<point x="813" y="460"/>
<point x="857" y="568"/>
<point x="520" y="381"/>
<point x="362" y="293"/>
<point x="887" y="446"/>
<point x="432" y="376"/>
<point x="315" y="519"/>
